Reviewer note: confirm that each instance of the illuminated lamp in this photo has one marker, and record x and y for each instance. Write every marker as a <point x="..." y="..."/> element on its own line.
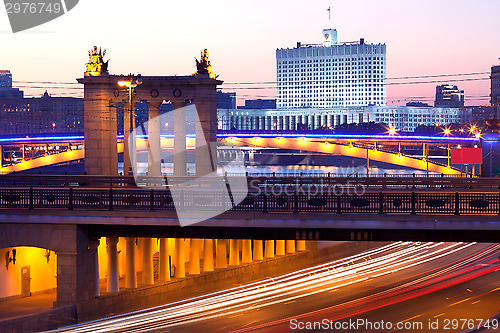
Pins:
<point x="9" y="259"/>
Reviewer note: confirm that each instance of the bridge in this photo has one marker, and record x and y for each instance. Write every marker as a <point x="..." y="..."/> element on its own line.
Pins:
<point x="19" y="154"/>
<point x="96" y="224"/>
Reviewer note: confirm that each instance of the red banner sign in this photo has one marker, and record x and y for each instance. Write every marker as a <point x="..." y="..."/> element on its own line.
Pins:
<point x="467" y="156"/>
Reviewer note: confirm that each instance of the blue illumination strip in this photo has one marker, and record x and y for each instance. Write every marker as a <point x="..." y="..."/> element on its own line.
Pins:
<point x="264" y="135"/>
<point x="343" y="136"/>
<point x="43" y="138"/>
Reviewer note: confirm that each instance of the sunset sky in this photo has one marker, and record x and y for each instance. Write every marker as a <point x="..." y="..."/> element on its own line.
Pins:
<point x="425" y="37"/>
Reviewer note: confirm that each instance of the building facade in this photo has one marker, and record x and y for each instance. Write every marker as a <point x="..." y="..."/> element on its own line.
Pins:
<point x="331" y="74"/>
<point x="495" y="89"/>
<point x="5" y="79"/>
<point x="477" y="115"/>
<point x="6" y="90"/>
<point x="448" y="96"/>
<point x="226" y="100"/>
<point x="401" y="117"/>
<point x="37" y="115"/>
<point x="259" y="104"/>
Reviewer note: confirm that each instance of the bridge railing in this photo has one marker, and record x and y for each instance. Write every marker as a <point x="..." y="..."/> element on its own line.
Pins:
<point x="254" y="180"/>
<point x="286" y="200"/>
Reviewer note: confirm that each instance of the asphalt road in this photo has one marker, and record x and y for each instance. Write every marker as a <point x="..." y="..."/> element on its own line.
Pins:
<point x="411" y="287"/>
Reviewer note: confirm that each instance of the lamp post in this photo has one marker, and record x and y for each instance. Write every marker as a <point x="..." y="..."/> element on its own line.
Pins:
<point x="131" y="83"/>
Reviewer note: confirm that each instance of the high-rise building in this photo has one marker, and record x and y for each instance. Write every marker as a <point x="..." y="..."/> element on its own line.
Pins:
<point x="495" y="89"/>
<point x="331" y="74"/>
<point x="404" y="118"/>
<point x="43" y="114"/>
<point x="259" y="104"/>
<point x="5" y="79"/>
<point x="6" y="90"/>
<point x="226" y="100"/>
<point x="448" y="96"/>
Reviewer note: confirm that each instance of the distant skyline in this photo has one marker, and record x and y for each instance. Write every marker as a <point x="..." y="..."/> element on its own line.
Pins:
<point x="162" y="38"/>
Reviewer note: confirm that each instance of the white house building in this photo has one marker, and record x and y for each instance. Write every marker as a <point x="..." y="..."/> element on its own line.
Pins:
<point x="405" y="118"/>
<point x="330" y="74"/>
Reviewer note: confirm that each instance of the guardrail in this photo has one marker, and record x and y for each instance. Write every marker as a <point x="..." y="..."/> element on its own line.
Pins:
<point x="263" y="201"/>
<point x="256" y="180"/>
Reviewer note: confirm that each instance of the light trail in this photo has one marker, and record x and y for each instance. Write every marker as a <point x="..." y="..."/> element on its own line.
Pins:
<point x="301" y="284"/>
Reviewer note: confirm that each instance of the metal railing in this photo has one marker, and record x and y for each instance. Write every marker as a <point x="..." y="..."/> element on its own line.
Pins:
<point x="263" y="201"/>
<point x="255" y="180"/>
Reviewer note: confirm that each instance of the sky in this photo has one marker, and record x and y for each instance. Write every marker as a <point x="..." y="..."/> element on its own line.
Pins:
<point x="425" y="37"/>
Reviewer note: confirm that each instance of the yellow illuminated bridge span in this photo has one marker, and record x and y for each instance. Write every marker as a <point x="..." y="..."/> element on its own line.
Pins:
<point x="304" y="144"/>
<point x="335" y="148"/>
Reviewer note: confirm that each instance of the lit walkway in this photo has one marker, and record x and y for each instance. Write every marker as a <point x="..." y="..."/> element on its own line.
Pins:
<point x="17" y="307"/>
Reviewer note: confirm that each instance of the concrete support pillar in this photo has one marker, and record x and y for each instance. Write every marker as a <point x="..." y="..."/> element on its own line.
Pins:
<point x="112" y="264"/>
<point x="246" y="250"/>
<point x="234" y="252"/>
<point x="290" y="246"/>
<point x="130" y="272"/>
<point x="257" y="250"/>
<point x="154" y="147"/>
<point x="93" y="245"/>
<point x="147" y="261"/>
<point x="164" y="260"/>
<point x="206" y="131"/>
<point x="301" y="245"/>
<point x="194" y="257"/>
<point x="269" y="249"/>
<point x="180" y="265"/>
<point x="187" y="246"/>
<point x="280" y="247"/>
<point x="221" y="254"/>
<point x="180" y="167"/>
<point x="208" y="256"/>
<point x="101" y="153"/>
<point x="76" y="261"/>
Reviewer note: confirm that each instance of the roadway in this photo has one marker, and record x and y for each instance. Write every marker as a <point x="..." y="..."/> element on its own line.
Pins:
<point x="400" y="282"/>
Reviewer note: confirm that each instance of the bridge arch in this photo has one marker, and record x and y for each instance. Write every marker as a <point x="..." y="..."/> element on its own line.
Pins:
<point x="334" y="148"/>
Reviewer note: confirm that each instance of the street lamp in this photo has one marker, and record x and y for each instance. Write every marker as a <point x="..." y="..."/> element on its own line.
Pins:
<point x="131" y="83"/>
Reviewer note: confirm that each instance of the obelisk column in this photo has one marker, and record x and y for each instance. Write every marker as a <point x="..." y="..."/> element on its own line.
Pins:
<point x="257" y="250"/>
<point x="112" y="264"/>
<point x="234" y="252"/>
<point x="208" y="256"/>
<point x="269" y="249"/>
<point x="280" y="247"/>
<point x="93" y="245"/>
<point x="180" y="167"/>
<point x="130" y="274"/>
<point x="246" y="250"/>
<point x="147" y="261"/>
<point x="194" y="256"/>
<point x="164" y="262"/>
<point x="206" y="130"/>
<point x="180" y="268"/>
<point x="154" y="144"/>
<point x="221" y="254"/>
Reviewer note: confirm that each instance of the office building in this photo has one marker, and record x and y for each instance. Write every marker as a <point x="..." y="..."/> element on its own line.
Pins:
<point x="477" y="115"/>
<point x="416" y="103"/>
<point x="6" y="90"/>
<point x="5" y="79"/>
<point x="448" y="96"/>
<point x="403" y="118"/>
<point x="331" y="74"/>
<point x="38" y="115"/>
<point x="495" y="89"/>
<point x="259" y="104"/>
<point x="226" y="100"/>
